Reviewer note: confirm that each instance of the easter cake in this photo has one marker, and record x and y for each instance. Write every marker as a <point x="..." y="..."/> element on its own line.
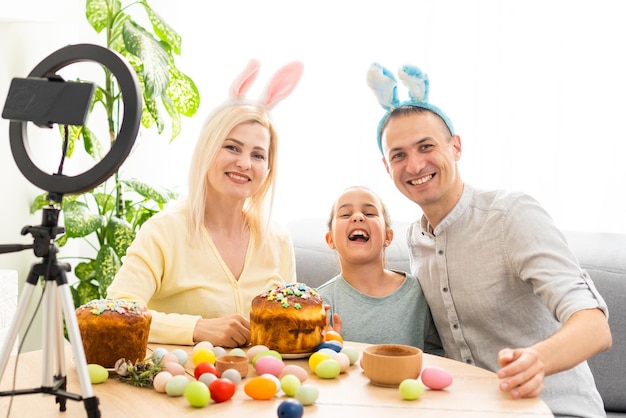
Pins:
<point x="289" y="319"/>
<point x="113" y="329"/>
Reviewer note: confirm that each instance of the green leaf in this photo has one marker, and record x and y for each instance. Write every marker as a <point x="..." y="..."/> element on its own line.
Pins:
<point x="62" y="240"/>
<point x="41" y="201"/>
<point x="97" y="13"/>
<point x="98" y="97"/>
<point x="85" y="272"/>
<point x="143" y="214"/>
<point x="156" y="194"/>
<point x="74" y="133"/>
<point x="86" y="292"/>
<point x="107" y="265"/>
<point x="116" y="40"/>
<point x="92" y="144"/>
<point x="105" y="202"/>
<point x="79" y="221"/>
<point x="120" y="235"/>
<point x="164" y="31"/>
<point x="152" y="55"/>
<point x="183" y="92"/>
<point x="76" y="299"/>
<point x="174" y="116"/>
<point x="151" y="114"/>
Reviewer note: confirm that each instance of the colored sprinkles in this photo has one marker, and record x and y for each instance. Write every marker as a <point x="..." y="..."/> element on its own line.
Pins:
<point x="281" y="294"/>
<point x="121" y="306"/>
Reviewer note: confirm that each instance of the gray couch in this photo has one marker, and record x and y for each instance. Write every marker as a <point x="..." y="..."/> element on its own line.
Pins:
<point x="603" y="255"/>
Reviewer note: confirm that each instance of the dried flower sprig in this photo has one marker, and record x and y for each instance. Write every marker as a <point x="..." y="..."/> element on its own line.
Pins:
<point x="140" y="374"/>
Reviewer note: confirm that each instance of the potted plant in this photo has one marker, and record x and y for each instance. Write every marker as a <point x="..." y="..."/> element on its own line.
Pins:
<point x="108" y="217"/>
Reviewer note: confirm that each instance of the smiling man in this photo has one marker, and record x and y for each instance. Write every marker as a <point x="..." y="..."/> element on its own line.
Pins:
<point x="505" y="291"/>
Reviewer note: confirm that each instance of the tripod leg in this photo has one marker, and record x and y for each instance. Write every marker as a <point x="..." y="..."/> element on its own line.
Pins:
<point x="91" y="402"/>
<point x="48" y="334"/>
<point x="53" y="337"/>
<point x="20" y="314"/>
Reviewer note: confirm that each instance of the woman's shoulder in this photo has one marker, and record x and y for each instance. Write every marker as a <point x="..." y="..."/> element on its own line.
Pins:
<point x="170" y="218"/>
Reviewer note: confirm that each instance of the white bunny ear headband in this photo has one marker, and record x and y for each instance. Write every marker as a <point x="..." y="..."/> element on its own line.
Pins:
<point x="384" y="85"/>
<point x="279" y="87"/>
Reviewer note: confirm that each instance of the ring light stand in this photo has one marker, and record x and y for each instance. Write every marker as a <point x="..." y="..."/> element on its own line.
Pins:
<point x="56" y="288"/>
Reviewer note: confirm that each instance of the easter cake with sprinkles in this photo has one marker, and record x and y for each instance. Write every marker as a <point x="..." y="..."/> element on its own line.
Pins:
<point x="113" y="329"/>
<point x="289" y="319"/>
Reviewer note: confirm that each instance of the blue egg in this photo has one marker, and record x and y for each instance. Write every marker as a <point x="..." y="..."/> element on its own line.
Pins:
<point x="290" y="408"/>
<point x="158" y="353"/>
<point x="333" y="345"/>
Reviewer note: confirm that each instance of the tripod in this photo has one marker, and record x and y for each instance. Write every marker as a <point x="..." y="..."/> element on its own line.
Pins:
<point x="55" y="290"/>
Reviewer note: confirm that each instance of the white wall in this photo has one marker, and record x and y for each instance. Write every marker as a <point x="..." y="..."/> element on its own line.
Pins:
<point x="534" y="88"/>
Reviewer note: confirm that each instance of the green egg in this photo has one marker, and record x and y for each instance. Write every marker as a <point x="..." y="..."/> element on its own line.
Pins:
<point x="97" y="373"/>
<point x="176" y="385"/>
<point x="237" y="352"/>
<point x="290" y="384"/>
<point x="307" y="394"/>
<point x="328" y="369"/>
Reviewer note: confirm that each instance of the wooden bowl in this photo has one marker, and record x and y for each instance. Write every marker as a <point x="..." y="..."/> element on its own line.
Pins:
<point x="238" y="363"/>
<point x="389" y="364"/>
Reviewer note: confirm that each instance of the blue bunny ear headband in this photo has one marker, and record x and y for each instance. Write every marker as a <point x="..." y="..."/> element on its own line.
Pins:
<point x="384" y="85"/>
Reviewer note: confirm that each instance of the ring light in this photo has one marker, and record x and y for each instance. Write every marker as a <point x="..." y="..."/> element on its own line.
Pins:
<point x="121" y="147"/>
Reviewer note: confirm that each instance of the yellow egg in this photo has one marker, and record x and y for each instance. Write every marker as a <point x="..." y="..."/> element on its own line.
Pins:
<point x="316" y="358"/>
<point x="260" y="388"/>
<point x="203" y="355"/>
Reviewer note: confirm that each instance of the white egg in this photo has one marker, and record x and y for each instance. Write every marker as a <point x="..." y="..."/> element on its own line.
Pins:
<point x="205" y="344"/>
<point x="233" y="375"/>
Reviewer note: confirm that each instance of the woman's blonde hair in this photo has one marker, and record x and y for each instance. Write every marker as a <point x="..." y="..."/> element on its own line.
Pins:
<point x="257" y="208"/>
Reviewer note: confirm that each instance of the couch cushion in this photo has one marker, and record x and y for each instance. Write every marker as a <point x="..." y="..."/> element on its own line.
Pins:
<point x="603" y="255"/>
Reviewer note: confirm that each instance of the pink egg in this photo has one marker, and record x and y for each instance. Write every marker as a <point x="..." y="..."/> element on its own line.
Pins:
<point x="344" y="362"/>
<point x="174" y="367"/>
<point x="160" y="380"/>
<point x="169" y="357"/>
<point x="295" y="370"/>
<point x="269" y="364"/>
<point x="436" y="378"/>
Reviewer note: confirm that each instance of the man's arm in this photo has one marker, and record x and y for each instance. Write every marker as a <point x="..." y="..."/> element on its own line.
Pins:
<point x="583" y="335"/>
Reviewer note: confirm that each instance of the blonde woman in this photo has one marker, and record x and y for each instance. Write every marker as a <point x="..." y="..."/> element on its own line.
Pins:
<point x="198" y="265"/>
